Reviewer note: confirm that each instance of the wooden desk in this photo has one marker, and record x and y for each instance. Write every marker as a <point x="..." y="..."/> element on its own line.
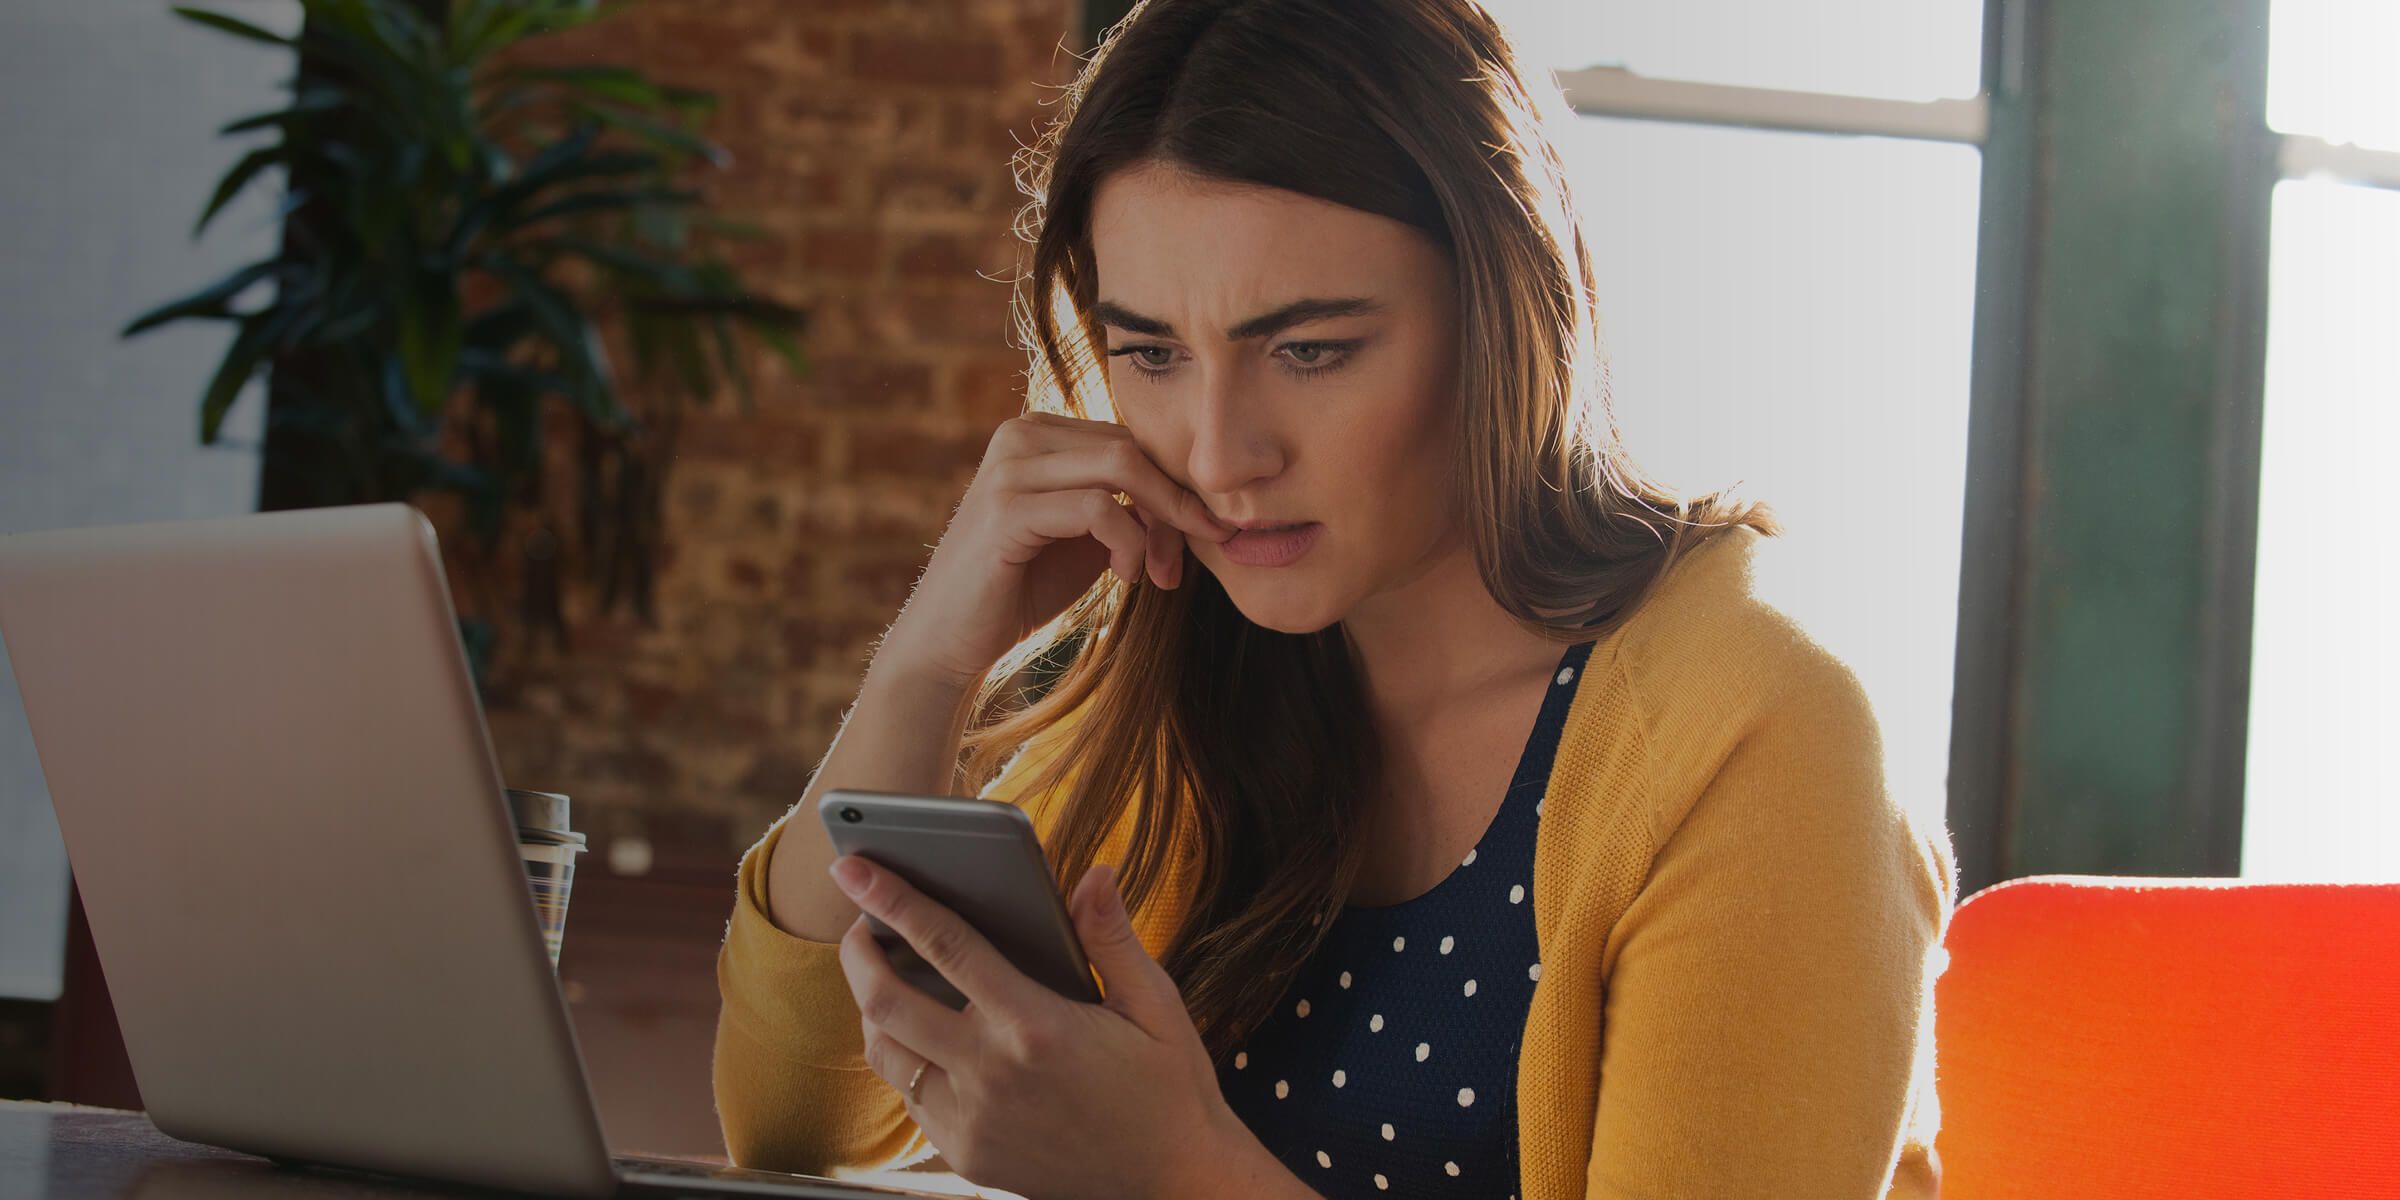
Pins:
<point x="74" y="1152"/>
<point x="70" y="1152"/>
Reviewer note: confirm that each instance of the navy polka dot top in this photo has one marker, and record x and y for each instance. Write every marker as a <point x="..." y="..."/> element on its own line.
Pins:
<point x="1390" y="1066"/>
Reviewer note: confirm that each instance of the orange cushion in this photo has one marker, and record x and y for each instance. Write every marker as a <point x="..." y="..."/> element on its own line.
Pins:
<point x="2108" y="1038"/>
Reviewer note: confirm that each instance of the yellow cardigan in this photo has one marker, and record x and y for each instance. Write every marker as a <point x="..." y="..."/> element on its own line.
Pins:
<point x="1739" y="928"/>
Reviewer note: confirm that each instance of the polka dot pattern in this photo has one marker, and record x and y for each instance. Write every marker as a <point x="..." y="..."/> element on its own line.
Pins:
<point x="1388" y="1070"/>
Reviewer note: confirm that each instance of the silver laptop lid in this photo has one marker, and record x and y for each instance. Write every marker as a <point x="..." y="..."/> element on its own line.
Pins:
<point x="283" y="813"/>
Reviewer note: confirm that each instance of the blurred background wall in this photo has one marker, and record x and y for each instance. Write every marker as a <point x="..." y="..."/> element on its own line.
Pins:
<point x="872" y="141"/>
<point x="106" y="179"/>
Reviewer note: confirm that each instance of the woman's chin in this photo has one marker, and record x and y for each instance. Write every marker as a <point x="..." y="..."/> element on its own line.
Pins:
<point x="1282" y="607"/>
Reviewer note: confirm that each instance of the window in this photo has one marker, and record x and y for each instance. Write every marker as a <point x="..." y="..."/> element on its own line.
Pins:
<point x="1894" y="49"/>
<point x="2329" y="70"/>
<point x="2324" y="701"/>
<point x="1785" y="234"/>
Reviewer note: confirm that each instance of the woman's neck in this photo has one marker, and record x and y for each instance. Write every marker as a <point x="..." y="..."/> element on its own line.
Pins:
<point x="1439" y="638"/>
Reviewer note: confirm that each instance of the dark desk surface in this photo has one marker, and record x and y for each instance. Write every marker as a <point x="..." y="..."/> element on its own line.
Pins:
<point x="71" y="1152"/>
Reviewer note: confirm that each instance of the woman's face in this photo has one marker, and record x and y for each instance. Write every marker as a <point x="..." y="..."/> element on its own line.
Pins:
<point x="1289" y="360"/>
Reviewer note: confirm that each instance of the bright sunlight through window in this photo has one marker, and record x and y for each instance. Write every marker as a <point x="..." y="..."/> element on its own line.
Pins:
<point x="1891" y="49"/>
<point x="2320" y="803"/>
<point x="2333" y="70"/>
<point x="2325" y="662"/>
<point x="1793" y="313"/>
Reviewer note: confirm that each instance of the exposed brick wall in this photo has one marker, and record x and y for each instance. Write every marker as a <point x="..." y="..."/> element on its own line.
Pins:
<point x="873" y="140"/>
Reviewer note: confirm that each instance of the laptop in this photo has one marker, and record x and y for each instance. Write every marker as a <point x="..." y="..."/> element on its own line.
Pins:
<point x="282" y="809"/>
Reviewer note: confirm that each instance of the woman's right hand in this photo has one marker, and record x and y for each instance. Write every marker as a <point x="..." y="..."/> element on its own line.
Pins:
<point x="1036" y="527"/>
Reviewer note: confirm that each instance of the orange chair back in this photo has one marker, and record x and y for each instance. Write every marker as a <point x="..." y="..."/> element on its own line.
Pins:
<point x="2119" y="1038"/>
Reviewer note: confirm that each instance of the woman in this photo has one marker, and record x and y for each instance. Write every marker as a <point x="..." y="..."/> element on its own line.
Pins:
<point x="1462" y="824"/>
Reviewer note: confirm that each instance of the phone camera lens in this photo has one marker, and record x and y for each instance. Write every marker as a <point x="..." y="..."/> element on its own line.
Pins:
<point x="852" y="815"/>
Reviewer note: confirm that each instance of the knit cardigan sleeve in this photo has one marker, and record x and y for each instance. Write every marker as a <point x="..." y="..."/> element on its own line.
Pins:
<point x="789" y="1072"/>
<point x="1768" y="1022"/>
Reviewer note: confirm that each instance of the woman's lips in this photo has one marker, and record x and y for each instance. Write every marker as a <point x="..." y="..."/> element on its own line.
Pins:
<point x="1271" y="547"/>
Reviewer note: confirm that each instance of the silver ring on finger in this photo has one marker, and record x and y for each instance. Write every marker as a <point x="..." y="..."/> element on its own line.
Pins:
<point x="915" y="1079"/>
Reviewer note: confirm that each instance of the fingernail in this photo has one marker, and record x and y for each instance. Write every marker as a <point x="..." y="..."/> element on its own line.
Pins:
<point x="850" y="875"/>
<point x="1114" y="900"/>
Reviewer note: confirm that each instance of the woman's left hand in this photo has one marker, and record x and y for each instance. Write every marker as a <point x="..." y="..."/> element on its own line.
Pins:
<point x="1025" y="1089"/>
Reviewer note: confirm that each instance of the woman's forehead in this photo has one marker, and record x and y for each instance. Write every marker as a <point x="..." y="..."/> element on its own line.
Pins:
<point x="1172" y="245"/>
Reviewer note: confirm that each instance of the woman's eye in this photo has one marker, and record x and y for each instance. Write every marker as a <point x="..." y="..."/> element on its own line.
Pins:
<point x="1141" y="360"/>
<point x="1316" y="358"/>
<point x="1301" y="359"/>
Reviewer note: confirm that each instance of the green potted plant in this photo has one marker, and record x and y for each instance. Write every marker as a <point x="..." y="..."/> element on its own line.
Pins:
<point x="459" y="228"/>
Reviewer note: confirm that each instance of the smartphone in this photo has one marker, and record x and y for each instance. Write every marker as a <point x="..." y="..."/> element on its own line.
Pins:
<point x="977" y="858"/>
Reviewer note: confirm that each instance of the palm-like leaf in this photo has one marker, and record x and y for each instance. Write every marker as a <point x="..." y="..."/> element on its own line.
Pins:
<point x="418" y="163"/>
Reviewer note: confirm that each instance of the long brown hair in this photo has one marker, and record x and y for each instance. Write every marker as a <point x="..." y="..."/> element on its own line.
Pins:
<point x="1243" y="750"/>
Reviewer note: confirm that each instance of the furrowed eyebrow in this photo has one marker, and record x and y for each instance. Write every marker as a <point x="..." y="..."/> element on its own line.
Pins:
<point x="1264" y="324"/>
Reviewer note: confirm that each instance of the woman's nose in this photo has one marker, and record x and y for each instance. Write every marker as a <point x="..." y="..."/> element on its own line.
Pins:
<point x="1230" y="447"/>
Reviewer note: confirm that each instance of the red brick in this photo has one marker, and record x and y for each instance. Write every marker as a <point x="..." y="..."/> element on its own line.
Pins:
<point x="844" y="250"/>
<point x="913" y="454"/>
<point x="780" y="774"/>
<point x="823" y="190"/>
<point x="698" y="498"/>
<point x="838" y="643"/>
<point x="646" y="702"/>
<point x="882" y="578"/>
<point x="818" y="51"/>
<point x="745" y="573"/>
<point x="838" y="512"/>
<point x="756" y="438"/>
<point x="975" y="317"/>
<point x="923" y="187"/>
<point x="798" y="575"/>
<point x="604" y="637"/>
<point x="925" y="59"/>
<point x="849" y="381"/>
<point x="962" y="257"/>
<point x="978" y="126"/>
<point x="766" y="513"/>
<point x="834" y="113"/>
<point x="989" y="389"/>
<point x="625" y="764"/>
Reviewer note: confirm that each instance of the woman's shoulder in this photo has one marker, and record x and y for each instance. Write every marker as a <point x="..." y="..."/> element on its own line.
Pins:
<point x="1710" y="658"/>
<point x="1711" y="617"/>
